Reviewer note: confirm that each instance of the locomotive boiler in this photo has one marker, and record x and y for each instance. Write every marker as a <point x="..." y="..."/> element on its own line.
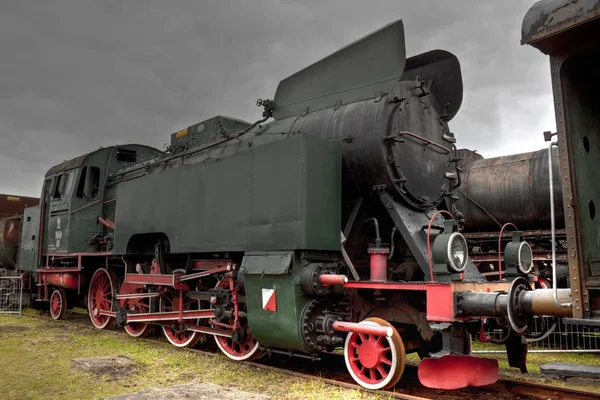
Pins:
<point x="314" y="228"/>
<point x="513" y="189"/>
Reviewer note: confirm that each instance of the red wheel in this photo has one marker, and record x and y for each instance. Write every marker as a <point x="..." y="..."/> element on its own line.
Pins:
<point x="138" y="306"/>
<point x="244" y="348"/>
<point x="100" y="298"/>
<point x="178" y="338"/>
<point x="375" y="362"/>
<point x="58" y="304"/>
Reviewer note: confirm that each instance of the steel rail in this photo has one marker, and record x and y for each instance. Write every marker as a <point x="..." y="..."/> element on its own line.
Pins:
<point x="513" y="386"/>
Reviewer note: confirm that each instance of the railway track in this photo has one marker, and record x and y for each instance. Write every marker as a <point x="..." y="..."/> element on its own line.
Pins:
<point x="335" y="374"/>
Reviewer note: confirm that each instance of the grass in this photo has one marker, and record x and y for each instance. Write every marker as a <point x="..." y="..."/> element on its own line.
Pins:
<point x="536" y="360"/>
<point x="36" y="359"/>
<point x="36" y="363"/>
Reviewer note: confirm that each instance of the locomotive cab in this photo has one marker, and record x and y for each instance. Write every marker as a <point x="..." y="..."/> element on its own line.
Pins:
<point x="73" y="220"/>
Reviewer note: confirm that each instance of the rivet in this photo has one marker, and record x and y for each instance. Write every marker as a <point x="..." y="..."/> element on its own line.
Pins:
<point x="576" y="291"/>
<point x="577" y="308"/>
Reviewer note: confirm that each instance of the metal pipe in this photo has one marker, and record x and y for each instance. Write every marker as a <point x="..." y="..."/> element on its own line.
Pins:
<point x="481" y="304"/>
<point x="331" y="279"/>
<point x="542" y="302"/>
<point x="367" y="329"/>
<point x="553" y="231"/>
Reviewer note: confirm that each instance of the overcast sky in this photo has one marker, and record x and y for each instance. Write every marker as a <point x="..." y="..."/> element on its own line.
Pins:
<point x="76" y="75"/>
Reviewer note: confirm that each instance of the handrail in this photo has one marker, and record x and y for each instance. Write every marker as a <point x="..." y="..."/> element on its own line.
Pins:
<point x="553" y="230"/>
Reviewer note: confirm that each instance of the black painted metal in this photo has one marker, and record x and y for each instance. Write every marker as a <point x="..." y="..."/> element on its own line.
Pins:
<point x="410" y="225"/>
<point x="374" y="150"/>
<point x="512" y="188"/>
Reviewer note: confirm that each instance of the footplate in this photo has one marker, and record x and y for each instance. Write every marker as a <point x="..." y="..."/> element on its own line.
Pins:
<point x="457" y="371"/>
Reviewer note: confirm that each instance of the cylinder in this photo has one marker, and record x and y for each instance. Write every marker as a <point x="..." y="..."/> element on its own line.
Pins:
<point x="378" y="264"/>
<point x="514" y="188"/>
<point x="10" y="235"/>
<point x="67" y="280"/>
<point x="480" y="304"/>
<point x="367" y="329"/>
<point x="541" y="302"/>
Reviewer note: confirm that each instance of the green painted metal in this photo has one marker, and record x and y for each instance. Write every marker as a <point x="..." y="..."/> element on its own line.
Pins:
<point x="70" y="212"/>
<point x="281" y="328"/>
<point x="358" y="71"/>
<point x="28" y="255"/>
<point x="207" y="131"/>
<point x="583" y="108"/>
<point x="271" y="263"/>
<point x="263" y="192"/>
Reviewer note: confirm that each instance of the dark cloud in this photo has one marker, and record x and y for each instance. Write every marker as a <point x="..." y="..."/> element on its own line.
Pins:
<point x="78" y="74"/>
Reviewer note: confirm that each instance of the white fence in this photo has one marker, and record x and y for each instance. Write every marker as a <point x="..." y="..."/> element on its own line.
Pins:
<point x="11" y="293"/>
<point x="552" y="335"/>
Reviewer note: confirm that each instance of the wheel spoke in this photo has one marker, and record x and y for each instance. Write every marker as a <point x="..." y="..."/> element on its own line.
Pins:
<point x="375" y="362"/>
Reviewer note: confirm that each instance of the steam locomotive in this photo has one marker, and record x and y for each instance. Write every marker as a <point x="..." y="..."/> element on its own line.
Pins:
<point x="331" y="222"/>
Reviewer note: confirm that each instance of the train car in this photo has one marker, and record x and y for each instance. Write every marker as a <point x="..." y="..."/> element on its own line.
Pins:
<point x="312" y="229"/>
<point x="567" y="31"/>
<point x="11" y="212"/>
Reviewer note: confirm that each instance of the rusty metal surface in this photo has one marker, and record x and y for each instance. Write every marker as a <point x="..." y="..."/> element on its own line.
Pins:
<point x="10" y="235"/>
<point x="547" y="18"/>
<point x="512" y="188"/>
<point x="11" y="205"/>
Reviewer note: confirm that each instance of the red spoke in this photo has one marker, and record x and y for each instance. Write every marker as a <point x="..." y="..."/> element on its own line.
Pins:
<point x="385" y="360"/>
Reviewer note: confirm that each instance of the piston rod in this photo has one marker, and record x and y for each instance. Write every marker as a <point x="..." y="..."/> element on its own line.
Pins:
<point x="368" y="329"/>
<point x="333" y="279"/>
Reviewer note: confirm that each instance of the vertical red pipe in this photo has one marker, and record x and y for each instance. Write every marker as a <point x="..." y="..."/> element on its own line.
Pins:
<point x="378" y="263"/>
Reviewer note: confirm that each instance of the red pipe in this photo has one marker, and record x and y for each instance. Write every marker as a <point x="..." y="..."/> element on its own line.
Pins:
<point x="367" y="329"/>
<point x="378" y="264"/>
<point x="330" y="279"/>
